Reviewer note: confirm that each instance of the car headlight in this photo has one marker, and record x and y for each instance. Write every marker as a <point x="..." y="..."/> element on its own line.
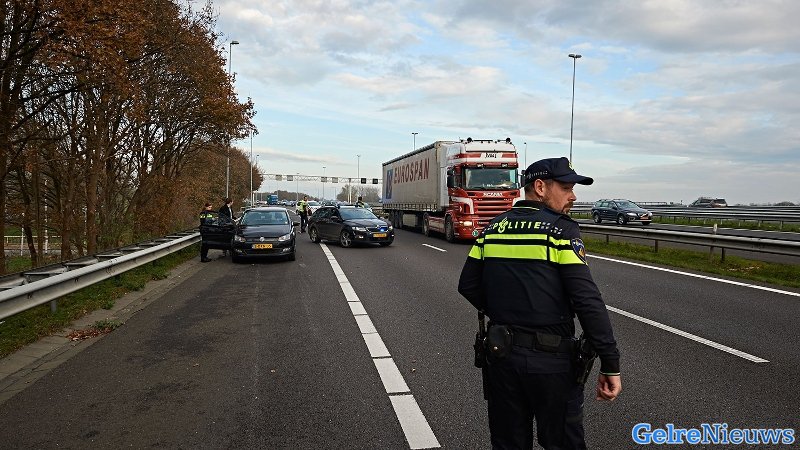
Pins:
<point x="631" y="214"/>
<point x="362" y="229"/>
<point x="285" y="237"/>
<point x="238" y="238"/>
<point x="467" y="223"/>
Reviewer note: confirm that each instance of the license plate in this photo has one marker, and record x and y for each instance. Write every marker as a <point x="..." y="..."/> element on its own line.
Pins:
<point x="377" y="235"/>
<point x="258" y="246"/>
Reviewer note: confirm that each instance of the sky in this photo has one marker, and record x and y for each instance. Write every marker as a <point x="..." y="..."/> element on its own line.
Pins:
<point x="673" y="99"/>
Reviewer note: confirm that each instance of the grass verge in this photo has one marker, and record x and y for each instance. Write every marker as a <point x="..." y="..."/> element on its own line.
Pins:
<point x="33" y="324"/>
<point x="767" y="272"/>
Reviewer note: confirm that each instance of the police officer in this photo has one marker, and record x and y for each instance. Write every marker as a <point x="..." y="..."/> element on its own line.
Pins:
<point x="206" y="218"/>
<point x="528" y="272"/>
<point x="226" y="211"/>
<point x="360" y="203"/>
<point x="302" y="210"/>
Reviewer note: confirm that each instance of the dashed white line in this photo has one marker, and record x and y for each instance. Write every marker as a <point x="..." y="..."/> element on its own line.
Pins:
<point x="435" y="248"/>
<point x="418" y="432"/>
<point x="705" y="277"/>
<point x="685" y="334"/>
<point x="693" y="337"/>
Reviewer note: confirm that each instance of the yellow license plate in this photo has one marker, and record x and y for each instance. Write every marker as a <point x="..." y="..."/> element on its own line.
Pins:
<point x="258" y="246"/>
<point x="377" y="235"/>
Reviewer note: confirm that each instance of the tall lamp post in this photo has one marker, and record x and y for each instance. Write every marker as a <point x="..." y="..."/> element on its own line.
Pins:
<point x="323" y="184"/>
<point x="252" y="194"/>
<point x="526" y="155"/>
<point x="574" y="57"/>
<point x="415" y="141"/>
<point x="228" y="159"/>
<point x="297" y="186"/>
<point x="358" y="173"/>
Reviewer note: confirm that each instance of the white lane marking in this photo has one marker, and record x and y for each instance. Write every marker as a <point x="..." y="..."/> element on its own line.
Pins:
<point x="357" y="308"/>
<point x="375" y="345"/>
<point x="365" y="324"/>
<point x="413" y="422"/>
<point x="705" y="277"/>
<point x="713" y="344"/>
<point x="435" y="248"/>
<point x="417" y="431"/>
<point x="391" y="377"/>
<point x="710" y="343"/>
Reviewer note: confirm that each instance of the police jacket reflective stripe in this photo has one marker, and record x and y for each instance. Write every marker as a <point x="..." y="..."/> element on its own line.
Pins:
<point x="528" y="268"/>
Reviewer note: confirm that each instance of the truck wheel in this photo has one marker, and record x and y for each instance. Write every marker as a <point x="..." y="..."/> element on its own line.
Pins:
<point x="596" y="218"/>
<point x="426" y="230"/>
<point x="345" y="240"/>
<point x="314" y="235"/>
<point x="449" y="232"/>
<point x="621" y="219"/>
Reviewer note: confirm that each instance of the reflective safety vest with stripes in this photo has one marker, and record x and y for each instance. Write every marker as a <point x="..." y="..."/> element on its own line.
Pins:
<point x="527" y="255"/>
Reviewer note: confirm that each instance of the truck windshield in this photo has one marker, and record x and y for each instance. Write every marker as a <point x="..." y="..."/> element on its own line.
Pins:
<point x="490" y="178"/>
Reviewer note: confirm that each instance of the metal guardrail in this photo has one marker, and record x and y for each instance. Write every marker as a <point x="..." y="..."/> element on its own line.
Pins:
<point x="774" y="246"/>
<point x="47" y="284"/>
<point x="774" y="214"/>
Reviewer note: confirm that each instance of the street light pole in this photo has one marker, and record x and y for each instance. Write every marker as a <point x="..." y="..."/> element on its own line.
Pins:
<point x="574" y="57"/>
<point x="526" y="154"/>
<point x="358" y="173"/>
<point x="323" y="184"/>
<point x="415" y="141"/>
<point x="297" y="186"/>
<point x="228" y="158"/>
<point x="252" y="195"/>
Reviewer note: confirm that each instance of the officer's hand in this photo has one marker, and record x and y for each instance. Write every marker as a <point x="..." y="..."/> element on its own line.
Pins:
<point x="608" y="387"/>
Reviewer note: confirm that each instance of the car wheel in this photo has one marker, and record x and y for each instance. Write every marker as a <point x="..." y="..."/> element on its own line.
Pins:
<point x="345" y="240"/>
<point x="449" y="232"/>
<point x="425" y="227"/>
<point x="596" y="218"/>
<point x="645" y="222"/>
<point x="314" y="235"/>
<point x="621" y="219"/>
<point x="386" y="244"/>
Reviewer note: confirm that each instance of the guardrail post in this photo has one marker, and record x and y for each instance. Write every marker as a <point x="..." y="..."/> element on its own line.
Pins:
<point x="722" y="258"/>
<point x="53" y="305"/>
<point x="656" y="246"/>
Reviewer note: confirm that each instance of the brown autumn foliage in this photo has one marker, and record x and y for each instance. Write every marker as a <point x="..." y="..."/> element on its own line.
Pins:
<point x="115" y="118"/>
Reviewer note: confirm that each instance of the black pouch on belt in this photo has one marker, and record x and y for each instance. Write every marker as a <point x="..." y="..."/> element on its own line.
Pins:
<point x="498" y="342"/>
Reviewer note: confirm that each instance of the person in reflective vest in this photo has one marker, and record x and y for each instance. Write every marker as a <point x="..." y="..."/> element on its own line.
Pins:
<point x="206" y="218"/>
<point x="302" y="210"/>
<point x="527" y="271"/>
<point x="360" y="203"/>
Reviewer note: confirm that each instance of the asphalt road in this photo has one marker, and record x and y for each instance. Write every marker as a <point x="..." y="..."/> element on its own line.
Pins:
<point x="275" y="355"/>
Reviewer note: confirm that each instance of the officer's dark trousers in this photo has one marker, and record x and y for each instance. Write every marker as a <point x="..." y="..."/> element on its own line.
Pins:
<point x="303" y="222"/>
<point x="203" y="250"/>
<point x="529" y="385"/>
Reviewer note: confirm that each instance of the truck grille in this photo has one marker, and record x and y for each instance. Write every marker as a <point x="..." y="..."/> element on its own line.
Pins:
<point x="488" y="208"/>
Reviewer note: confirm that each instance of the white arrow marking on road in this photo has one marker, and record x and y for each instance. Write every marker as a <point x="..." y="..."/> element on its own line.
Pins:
<point x="435" y="248"/>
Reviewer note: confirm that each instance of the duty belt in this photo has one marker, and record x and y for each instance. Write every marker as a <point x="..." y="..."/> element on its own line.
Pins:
<point x="544" y="342"/>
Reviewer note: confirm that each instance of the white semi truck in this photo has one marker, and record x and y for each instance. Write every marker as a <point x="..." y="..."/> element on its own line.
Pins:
<point x="451" y="187"/>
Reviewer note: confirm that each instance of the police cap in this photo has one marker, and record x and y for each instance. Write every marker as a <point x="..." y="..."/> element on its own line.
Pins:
<point x="559" y="169"/>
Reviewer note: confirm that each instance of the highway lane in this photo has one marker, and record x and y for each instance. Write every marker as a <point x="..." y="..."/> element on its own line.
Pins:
<point x="269" y="355"/>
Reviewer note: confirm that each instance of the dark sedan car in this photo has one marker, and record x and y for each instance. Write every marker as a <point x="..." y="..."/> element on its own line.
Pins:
<point x="349" y="225"/>
<point x="264" y="231"/>
<point x="620" y="211"/>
